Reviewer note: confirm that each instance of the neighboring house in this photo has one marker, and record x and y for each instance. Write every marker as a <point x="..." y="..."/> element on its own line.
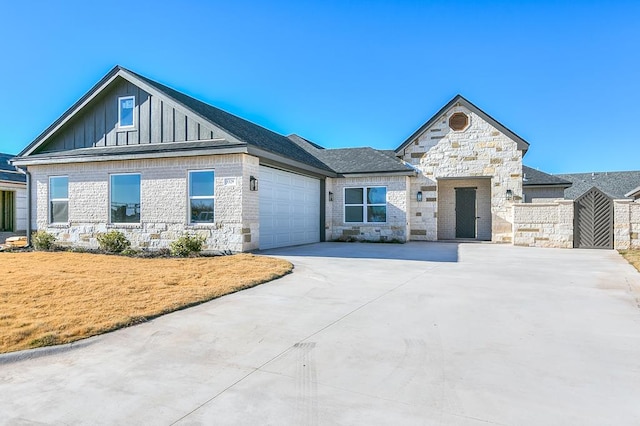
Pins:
<point x="616" y="185"/>
<point x="634" y="193"/>
<point x="537" y="184"/>
<point x="137" y="156"/>
<point x="13" y="199"/>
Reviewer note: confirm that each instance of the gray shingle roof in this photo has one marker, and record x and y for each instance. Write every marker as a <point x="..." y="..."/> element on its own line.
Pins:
<point x="242" y="129"/>
<point x="8" y="172"/>
<point x="614" y="184"/>
<point x="354" y="160"/>
<point x="361" y="160"/>
<point x="533" y="177"/>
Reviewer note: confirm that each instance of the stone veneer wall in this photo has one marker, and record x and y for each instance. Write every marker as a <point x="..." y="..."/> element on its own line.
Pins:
<point x="164" y="200"/>
<point x="543" y="224"/>
<point x="394" y="229"/>
<point x="626" y="224"/>
<point x="480" y="150"/>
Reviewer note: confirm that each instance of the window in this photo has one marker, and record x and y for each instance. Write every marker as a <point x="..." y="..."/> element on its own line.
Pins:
<point x="372" y="208"/>
<point x="125" y="198"/>
<point x="58" y="199"/>
<point x="125" y="111"/>
<point x="201" y="196"/>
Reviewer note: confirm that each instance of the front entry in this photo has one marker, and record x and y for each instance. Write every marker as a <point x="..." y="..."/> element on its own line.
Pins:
<point x="465" y="212"/>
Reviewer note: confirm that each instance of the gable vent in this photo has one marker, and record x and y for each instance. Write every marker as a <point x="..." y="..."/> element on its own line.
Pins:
<point x="458" y="121"/>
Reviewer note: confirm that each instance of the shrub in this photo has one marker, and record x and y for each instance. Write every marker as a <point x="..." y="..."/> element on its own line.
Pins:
<point x="113" y="242"/>
<point x="130" y="252"/>
<point x="43" y="240"/>
<point x="187" y="245"/>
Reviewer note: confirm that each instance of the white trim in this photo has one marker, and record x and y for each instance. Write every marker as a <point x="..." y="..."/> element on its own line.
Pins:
<point x="136" y="156"/>
<point x="49" y="210"/>
<point x="200" y="197"/>
<point x="634" y="192"/>
<point x="364" y="203"/>
<point x="133" y="112"/>
<point x="111" y="222"/>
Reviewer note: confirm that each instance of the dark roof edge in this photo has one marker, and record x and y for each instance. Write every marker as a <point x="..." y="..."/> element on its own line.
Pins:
<point x="386" y="173"/>
<point x="531" y="185"/>
<point x="523" y="145"/>
<point x="111" y="74"/>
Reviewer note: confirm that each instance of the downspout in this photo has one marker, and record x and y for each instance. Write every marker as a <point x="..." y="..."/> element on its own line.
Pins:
<point x="28" y="175"/>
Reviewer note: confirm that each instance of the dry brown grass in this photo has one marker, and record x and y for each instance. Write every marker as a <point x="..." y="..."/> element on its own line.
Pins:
<point x="633" y="256"/>
<point x="53" y="298"/>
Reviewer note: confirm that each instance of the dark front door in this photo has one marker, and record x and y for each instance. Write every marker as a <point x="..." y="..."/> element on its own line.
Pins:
<point x="465" y="213"/>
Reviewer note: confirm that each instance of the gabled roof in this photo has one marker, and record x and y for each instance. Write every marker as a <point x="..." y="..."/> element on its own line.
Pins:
<point x="533" y="177"/>
<point x="8" y="172"/>
<point x="614" y="184"/>
<point x="253" y="135"/>
<point x="459" y="99"/>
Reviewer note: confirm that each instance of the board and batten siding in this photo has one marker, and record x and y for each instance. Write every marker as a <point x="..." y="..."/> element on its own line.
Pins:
<point x="155" y="121"/>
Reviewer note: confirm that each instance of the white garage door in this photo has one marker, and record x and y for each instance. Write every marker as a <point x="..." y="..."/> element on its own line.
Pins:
<point x="289" y="209"/>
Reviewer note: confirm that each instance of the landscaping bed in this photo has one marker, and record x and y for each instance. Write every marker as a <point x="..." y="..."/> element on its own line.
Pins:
<point x="49" y="298"/>
<point x="632" y="256"/>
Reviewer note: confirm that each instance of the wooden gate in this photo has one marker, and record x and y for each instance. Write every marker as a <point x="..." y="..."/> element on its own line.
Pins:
<point x="593" y="220"/>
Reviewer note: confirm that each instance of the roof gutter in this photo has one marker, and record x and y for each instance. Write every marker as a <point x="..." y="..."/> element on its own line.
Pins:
<point x="27" y="161"/>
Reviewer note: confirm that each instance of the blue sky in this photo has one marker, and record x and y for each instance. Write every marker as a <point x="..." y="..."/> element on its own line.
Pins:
<point x="565" y="76"/>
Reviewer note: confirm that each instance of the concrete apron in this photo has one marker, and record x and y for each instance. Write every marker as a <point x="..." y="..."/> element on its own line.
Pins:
<point x="420" y="333"/>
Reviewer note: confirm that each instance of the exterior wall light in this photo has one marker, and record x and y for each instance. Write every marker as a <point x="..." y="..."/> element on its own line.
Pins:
<point x="509" y="194"/>
<point x="330" y="196"/>
<point x="419" y="196"/>
<point x="253" y="183"/>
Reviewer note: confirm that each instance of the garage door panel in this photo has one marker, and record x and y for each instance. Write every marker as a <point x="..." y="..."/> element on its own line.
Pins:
<point x="289" y="208"/>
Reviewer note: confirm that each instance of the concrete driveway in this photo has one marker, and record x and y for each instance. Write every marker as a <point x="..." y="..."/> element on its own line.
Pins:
<point x="421" y="333"/>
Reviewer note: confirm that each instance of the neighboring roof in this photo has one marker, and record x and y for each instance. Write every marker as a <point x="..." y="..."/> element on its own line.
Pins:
<point x="245" y="131"/>
<point x="8" y="172"/>
<point x="635" y="192"/>
<point x="459" y="99"/>
<point x="614" y="184"/>
<point x="533" y="177"/>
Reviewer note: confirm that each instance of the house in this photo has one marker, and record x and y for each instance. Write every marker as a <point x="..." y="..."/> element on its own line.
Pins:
<point x="13" y="199"/>
<point x="616" y="185"/>
<point x="538" y="184"/>
<point x="137" y="156"/>
<point x="634" y="193"/>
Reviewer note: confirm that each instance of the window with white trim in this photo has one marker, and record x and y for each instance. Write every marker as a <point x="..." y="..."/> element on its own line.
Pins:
<point x="125" y="198"/>
<point x="126" y="106"/>
<point x="58" y="199"/>
<point x="365" y="204"/>
<point x="201" y="196"/>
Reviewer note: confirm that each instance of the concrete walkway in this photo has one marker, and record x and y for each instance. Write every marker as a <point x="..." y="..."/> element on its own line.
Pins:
<point x="376" y="334"/>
